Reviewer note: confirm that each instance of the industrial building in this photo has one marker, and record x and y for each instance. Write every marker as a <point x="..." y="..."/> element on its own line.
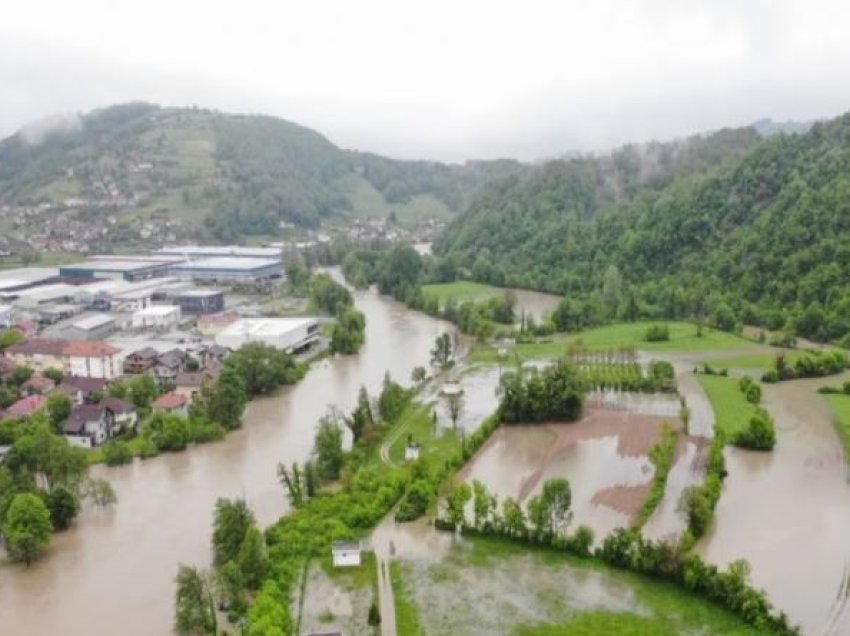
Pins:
<point x="13" y="280"/>
<point x="289" y="334"/>
<point x="157" y="317"/>
<point x="229" y="269"/>
<point x="212" y="251"/>
<point x="92" y="327"/>
<point x="119" y="267"/>
<point x="195" y="302"/>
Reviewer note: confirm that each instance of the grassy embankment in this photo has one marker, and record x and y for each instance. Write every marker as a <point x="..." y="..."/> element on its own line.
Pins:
<point x="732" y="412"/>
<point x="683" y="338"/>
<point x="656" y="607"/>
<point x="417" y="420"/>
<point x="841" y="407"/>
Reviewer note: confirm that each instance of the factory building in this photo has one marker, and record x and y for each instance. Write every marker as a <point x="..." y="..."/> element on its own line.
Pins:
<point x="196" y="302"/>
<point x="289" y="334"/>
<point x="119" y="267"/>
<point x="192" y="252"/>
<point x="93" y="327"/>
<point x="157" y="317"/>
<point x="229" y="269"/>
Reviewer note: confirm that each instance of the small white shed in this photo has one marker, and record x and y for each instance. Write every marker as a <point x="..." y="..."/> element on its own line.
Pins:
<point x="411" y="452"/>
<point x="346" y="553"/>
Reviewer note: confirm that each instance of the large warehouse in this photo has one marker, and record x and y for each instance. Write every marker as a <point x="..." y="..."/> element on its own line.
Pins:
<point x="289" y="334"/>
<point x="122" y="268"/>
<point x="229" y="269"/>
<point x="213" y="251"/>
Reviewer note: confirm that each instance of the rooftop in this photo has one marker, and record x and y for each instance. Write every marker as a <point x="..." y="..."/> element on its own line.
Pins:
<point x="170" y="401"/>
<point x="229" y="262"/>
<point x="265" y="326"/>
<point x="94" y="321"/>
<point x="199" y="293"/>
<point x="81" y="415"/>
<point x="38" y="346"/>
<point x="89" y="349"/>
<point x="116" y="264"/>
<point x="118" y="406"/>
<point x="27" y="405"/>
<point x="345" y="546"/>
<point x="220" y="250"/>
<point x="158" y="310"/>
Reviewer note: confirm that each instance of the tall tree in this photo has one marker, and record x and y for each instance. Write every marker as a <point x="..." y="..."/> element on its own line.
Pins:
<point x="253" y="558"/>
<point x="231" y="522"/>
<point x="194" y="610"/>
<point x="27" y="528"/>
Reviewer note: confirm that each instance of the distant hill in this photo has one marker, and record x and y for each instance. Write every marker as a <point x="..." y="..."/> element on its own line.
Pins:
<point x="228" y="176"/>
<point x="736" y="226"/>
<point x="767" y="127"/>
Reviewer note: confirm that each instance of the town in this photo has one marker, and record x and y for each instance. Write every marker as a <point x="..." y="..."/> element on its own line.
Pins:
<point x="173" y="314"/>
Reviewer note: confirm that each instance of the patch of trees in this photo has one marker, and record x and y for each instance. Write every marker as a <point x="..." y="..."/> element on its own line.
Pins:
<point x="757" y="235"/>
<point x="264" y="368"/>
<point x="661" y="455"/>
<point x="43" y="481"/>
<point x="556" y="394"/>
<point x="349" y="331"/>
<point x="698" y="502"/>
<point x="657" y="333"/>
<point x="812" y="364"/>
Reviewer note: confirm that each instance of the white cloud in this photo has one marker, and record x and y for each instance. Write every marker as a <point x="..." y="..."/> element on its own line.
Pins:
<point x="441" y="79"/>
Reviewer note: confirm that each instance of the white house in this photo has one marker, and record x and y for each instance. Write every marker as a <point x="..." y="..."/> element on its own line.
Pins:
<point x="88" y="425"/>
<point x="92" y="359"/>
<point x="346" y="553"/>
<point x="157" y="317"/>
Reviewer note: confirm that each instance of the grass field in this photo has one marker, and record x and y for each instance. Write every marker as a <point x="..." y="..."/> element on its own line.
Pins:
<point x="841" y="407"/>
<point x="682" y="338"/>
<point x="496" y="586"/>
<point x="732" y="412"/>
<point x="46" y="259"/>
<point x="460" y="291"/>
<point x="416" y="420"/>
<point x="366" y="201"/>
<point x="406" y="613"/>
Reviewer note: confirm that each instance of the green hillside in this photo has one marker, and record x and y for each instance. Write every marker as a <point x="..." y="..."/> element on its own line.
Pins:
<point x="737" y="228"/>
<point x="229" y="176"/>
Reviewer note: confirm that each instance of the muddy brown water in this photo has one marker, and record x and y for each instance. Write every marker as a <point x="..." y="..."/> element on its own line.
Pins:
<point x="788" y="512"/>
<point x="113" y="572"/>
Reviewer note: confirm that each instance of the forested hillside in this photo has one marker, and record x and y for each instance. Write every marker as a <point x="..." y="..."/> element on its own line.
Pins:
<point x="734" y="227"/>
<point x="233" y="175"/>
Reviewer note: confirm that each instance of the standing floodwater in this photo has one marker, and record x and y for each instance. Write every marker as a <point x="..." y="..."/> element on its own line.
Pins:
<point x="113" y="572"/>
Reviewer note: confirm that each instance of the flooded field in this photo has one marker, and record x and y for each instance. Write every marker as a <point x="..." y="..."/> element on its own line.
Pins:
<point x="337" y="603"/>
<point x="788" y="512"/>
<point x="668" y="522"/>
<point x="490" y="587"/>
<point x="604" y="456"/>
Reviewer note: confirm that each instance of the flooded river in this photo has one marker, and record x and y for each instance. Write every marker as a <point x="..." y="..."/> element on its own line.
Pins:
<point x="113" y="572"/>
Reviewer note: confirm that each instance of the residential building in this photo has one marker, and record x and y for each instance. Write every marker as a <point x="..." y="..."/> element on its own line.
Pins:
<point x="141" y="360"/>
<point x="157" y="317"/>
<point x="346" y="553"/>
<point x="39" y="384"/>
<point x="88" y="425"/>
<point x="93" y="359"/>
<point x="84" y="358"/>
<point x="189" y="383"/>
<point x="124" y="415"/>
<point x="26" y="406"/>
<point x="80" y="389"/>
<point x="289" y="334"/>
<point x="172" y="403"/>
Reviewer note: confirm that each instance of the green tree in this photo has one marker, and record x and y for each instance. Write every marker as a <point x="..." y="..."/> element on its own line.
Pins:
<point x="100" y="492"/>
<point x="293" y="482"/>
<point x="27" y="527"/>
<point x="454" y="406"/>
<point x="231" y="586"/>
<point x="263" y="368"/>
<point x="231" y="522"/>
<point x="224" y="400"/>
<point x="143" y="391"/>
<point x="253" y="558"/>
<point x="483" y="505"/>
<point x="513" y="518"/>
<point x="419" y="375"/>
<point x="58" y="409"/>
<point x="456" y="504"/>
<point x="557" y="497"/>
<point x="9" y="337"/>
<point x="194" y="610"/>
<point x="442" y="354"/>
<point x="328" y="448"/>
<point x="63" y="505"/>
<point x="349" y="332"/>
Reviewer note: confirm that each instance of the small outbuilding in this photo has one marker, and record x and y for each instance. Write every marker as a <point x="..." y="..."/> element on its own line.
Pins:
<point x="411" y="452"/>
<point x="346" y="553"/>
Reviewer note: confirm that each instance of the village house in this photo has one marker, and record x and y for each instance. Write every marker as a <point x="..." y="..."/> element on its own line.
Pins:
<point x="346" y="553"/>
<point x="411" y="452"/>
<point x="38" y="354"/>
<point x="141" y="360"/>
<point x="189" y="383"/>
<point x="39" y="384"/>
<point x="173" y="402"/>
<point x="26" y="406"/>
<point x="88" y="425"/>
<point x="125" y="418"/>
<point x="168" y="365"/>
<point x="80" y="389"/>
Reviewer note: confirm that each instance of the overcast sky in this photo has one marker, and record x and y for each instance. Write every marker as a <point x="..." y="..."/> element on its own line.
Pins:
<point x="438" y="79"/>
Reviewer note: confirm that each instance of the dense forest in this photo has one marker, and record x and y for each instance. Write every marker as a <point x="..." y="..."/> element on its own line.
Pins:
<point x="233" y="175"/>
<point x="732" y="227"/>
